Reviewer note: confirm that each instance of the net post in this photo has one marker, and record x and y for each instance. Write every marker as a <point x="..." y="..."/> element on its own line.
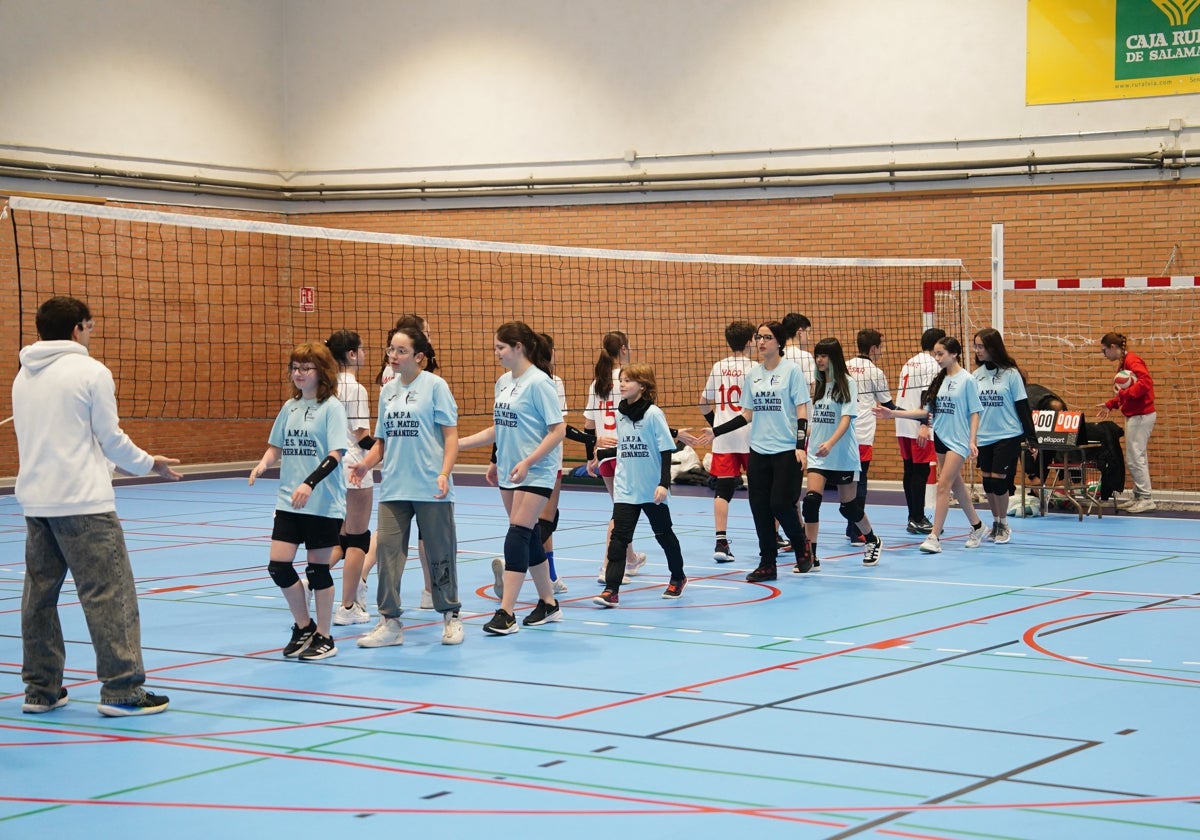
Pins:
<point x="998" y="277"/>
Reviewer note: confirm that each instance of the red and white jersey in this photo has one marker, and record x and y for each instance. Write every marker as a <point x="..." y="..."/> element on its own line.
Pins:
<point x="805" y="360"/>
<point x="723" y="391"/>
<point x="600" y="413"/>
<point x="872" y="389"/>
<point x="915" y="377"/>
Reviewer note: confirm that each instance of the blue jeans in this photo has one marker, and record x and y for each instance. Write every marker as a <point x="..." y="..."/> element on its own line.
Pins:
<point x="92" y="548"/>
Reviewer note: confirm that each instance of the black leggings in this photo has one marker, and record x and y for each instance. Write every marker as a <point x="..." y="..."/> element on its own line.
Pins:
<point x="774" y="490"/>
<point x="625" y="520"/>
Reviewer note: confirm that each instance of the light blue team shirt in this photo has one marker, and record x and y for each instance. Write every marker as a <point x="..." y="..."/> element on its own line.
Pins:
<point x="639" y="456"/>
<point x="524" y="410"/>
<point x="411" y="418"/>
<point x="306" y="431"/>
<point x="774" y="397"/>
<point x="825" y="415"/>
<point x="999" y="391"/>
<point x="957" y="400"/>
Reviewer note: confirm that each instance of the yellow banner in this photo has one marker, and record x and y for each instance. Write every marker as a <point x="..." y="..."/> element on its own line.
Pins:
<point x="1082" y="50"/>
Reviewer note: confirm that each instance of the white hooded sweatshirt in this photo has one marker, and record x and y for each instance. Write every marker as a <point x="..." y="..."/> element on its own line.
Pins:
<point x="65" y="416"/>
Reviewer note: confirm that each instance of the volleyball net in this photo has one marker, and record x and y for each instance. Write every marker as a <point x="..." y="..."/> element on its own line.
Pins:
<point x="199" y="313"/>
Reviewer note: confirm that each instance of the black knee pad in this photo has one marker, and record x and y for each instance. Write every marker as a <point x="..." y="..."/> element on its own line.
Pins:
<point x="810" y="508"/>
<point x="995" y="486"/>
<point x="284" y="574"/>
<point x="361" y="541"/>
<point x="546" y="527"/>
<point x="853" y="510"/>
<point x="319" y="576"/>
<point x="516" y="548"/>
<point x="725" y="488"/>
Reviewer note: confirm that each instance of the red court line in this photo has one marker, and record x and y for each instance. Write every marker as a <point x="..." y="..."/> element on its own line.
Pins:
<point x="1030" y="639"/>
<point x="807" y="660"/>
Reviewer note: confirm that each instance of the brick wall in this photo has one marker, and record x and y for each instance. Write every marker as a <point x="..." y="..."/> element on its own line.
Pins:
<point x="1085" y="231"/>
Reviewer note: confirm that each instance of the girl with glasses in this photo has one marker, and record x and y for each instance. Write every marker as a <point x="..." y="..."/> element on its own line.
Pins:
<point x="308" y="439"/>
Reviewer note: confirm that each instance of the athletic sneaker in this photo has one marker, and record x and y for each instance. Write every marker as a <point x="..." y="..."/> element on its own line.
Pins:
<point x="975" y="537"/>
<point x="389" y="631"/>
<point x="543" y="613"/>
<point x="872" y="551"/>
<point x="300" y="639"/>
<point x="426" y="600"/>
<point x="782" y="544"/>
<point x="674" y="588"/>
<point x="804" y="565"/>
<point x="147" y="704"/>
<point x="560" y="586"/>
<point x="858" y="539"/>
<point x="1142" y="506"/>
<point x="991" y="535"/>
<point x="353" y="614"/>
<point x="321" y="647"/>
<point x="919" y="526"/>
<point x="452" y="629"/>
<point x="607" y="598"/>
<point x="635" y="565"/>
<point x="722" y="553"/>
<point x="624" y="580"/>
<point x="502" y="624"/>
<point x="762" y="573"/>
<point x="932" y="545"/>
<point x="1126" y="504"/>
<point x="36" y="707"/>
<point x="360" y="595"/>
<point x="498" y="575"/>
<point x="1003" y="533"/>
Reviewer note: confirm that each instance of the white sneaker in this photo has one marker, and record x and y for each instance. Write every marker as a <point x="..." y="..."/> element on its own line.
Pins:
<point x="362" y="592"/>
<point x="1126" y="504"/>
<point x="1004" y="534"/>
<point x="991" y="536"/>
<point x="976" y="536"/>
<point x="452" y="629"/>
<point x="635" y="565"/>
<point x="426" y="600"/>
<point x="932" y="545"/>
<point x="624" y="580"/>
<point x="498" y="574"/>
<point x="1142" y="506"/>
<point x="389" y="631"/>
<point x="353" y="614"/>
<point x="560" y="586"/>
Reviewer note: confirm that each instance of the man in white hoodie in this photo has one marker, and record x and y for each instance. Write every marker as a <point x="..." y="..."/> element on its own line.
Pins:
<point x="68" y="432"/>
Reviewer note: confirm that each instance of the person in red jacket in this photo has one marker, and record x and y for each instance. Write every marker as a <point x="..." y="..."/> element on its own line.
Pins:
<point x="1136" y="402"/>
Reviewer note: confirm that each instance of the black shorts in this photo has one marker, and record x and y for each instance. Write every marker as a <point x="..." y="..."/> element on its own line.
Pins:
<point x="544" y="492"/>
<point x="835" y="478"/>
<point x="1001" y="457"/>
<point x="939" y="447"/>
<point x="312" y="532"/>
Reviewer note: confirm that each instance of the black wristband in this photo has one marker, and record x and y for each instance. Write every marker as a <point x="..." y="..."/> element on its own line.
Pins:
<point x="366" y="442"/>
<point x="664" y="478"/>
<point x="493" y="453"/>
<point x="323" y="469"/>
<point x="730" y="426"/>
<point x="801" y="432"/>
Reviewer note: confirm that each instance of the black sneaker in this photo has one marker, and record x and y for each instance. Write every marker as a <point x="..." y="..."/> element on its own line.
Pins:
<point x="721" y="552"/>
<point x="607" y="599"/>
<point x="782" y="544"/>
<point x="674" y="588"/>
<point x="804" y="564"/>
<point x="762" y="573"/>
<point x="872" y="552"/>
<point x="919" y="526"/>
<point x="319" y="647"/>
<point x="857" y="539"/>
<point x="147" y="704"/>
<point x="502" y="624"/>
<point x="543" y="613"/>
<point x="300" y="639"/>
<point x="37" y="707"/>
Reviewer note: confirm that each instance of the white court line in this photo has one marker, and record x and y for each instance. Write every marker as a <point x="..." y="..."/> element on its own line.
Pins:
<point x="950" y="650"/>
<point x="684" y="630"/>
<point x="644" y="627"/>
<point x="1008" y="653"/>
<point x="1137" y="661"/>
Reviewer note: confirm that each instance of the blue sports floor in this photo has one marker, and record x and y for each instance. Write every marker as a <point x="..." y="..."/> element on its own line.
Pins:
<point x="1049" y="688"/>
